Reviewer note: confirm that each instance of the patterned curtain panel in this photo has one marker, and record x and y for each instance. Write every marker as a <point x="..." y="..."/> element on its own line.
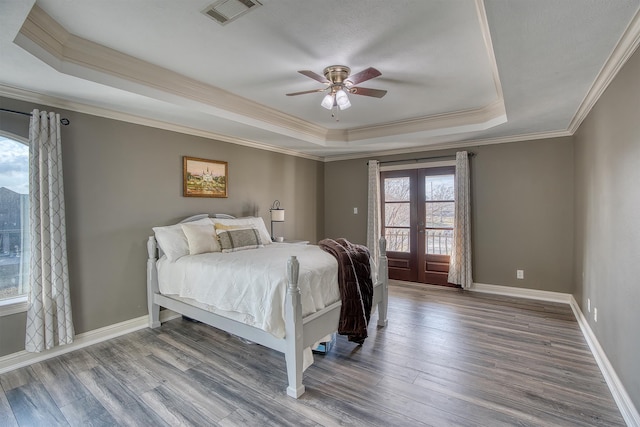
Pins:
<point x="460" y="263"/>
<point x="373" y="214"/>
<point x="49" y="320"/>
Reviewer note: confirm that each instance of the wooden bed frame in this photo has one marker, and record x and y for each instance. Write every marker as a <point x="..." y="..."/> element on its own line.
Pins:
<point x="300" y="332"/>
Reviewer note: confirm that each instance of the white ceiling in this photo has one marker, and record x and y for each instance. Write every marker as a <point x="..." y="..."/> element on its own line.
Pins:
<point x="457" y="71"/>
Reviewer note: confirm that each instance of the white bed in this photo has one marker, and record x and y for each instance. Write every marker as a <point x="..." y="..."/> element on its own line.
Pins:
<point x="298" y="306"/>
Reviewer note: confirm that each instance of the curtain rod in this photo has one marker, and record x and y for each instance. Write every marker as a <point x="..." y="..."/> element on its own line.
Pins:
<point x="448" y="156"/>
<point x="63" y="121"/>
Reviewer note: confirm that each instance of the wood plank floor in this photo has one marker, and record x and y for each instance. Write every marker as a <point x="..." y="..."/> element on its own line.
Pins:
<point x="448" y="357"/>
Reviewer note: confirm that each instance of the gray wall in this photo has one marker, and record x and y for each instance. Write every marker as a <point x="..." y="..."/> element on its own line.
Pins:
<point x="607" y="205"/>
<point x="121" y="179"/>
<point x="522" y="208"/>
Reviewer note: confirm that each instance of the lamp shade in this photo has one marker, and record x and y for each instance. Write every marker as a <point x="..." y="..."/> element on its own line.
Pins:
<point x="277" y="215"/>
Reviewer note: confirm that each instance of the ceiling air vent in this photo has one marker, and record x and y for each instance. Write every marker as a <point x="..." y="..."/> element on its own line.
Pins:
<point x="225" y="11"/>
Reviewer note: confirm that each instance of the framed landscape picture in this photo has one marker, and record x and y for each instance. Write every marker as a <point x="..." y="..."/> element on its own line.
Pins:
<point x="205" y="178"/>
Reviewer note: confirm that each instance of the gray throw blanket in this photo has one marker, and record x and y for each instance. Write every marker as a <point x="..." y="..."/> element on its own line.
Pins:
<point x="356" y="286"/>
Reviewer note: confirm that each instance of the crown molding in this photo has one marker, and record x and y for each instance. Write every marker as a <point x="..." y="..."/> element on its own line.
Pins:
<point x="65" y="51"/>
<point x="450" y="145"/>
<point x="488" y="45"/>
<point x="43" y="37"/>
<point x="73" y="55"/>
<point x="437" y="125"/>
<point x="625" y="47"/>
<point x="38" y="98"/>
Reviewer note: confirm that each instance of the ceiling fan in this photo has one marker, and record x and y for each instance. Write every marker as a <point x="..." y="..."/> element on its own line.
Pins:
<point x="339" y="82"/>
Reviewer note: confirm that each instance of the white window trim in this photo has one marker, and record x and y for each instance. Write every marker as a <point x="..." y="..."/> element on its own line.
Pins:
<point x="14" y="305"/>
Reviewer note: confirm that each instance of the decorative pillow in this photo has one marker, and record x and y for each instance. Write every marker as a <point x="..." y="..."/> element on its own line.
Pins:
<point x="173" y="241"/>
<point x="239" y="239"/>
<point x="202" y="238"/>
<point x="249" y="221"/>
<point x="224" y="227"/>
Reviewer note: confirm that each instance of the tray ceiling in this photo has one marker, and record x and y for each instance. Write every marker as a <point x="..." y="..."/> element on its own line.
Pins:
<point x="456" y="72"/>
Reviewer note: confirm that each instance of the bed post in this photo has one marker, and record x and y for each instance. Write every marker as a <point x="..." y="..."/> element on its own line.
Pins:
<point x="293" y="331"/>
<point x="152" y="283"/>
<point x="383" y="277"/>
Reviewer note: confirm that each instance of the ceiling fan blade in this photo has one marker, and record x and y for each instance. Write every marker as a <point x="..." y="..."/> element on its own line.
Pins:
<point x="314" y="76"/>
<point x="306" y="91"/>
<point x="363" y="76"/>
<point x="368" y="92"/>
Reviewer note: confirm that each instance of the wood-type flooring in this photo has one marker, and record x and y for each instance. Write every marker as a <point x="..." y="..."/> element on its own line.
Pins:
<point x="447" y="357"/>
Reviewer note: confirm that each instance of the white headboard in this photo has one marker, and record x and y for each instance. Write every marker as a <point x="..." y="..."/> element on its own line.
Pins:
<point x="200" y="216"/>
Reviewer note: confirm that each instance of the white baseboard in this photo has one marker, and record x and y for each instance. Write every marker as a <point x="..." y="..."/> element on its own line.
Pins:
<point x="24" y="358"/>
<point x="521" y="293"/>
<point x="620" y="395"/>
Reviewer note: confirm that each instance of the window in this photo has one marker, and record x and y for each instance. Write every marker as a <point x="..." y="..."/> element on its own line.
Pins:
<point x="439" y="213"/>
<point x="14" y="219"/>
<point x="397" y="212"/>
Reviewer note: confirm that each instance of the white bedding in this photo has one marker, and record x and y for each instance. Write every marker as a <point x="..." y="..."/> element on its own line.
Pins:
<point x="250" y="286"/>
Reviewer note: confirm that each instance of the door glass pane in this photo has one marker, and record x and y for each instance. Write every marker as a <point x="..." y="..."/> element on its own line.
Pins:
<point x="397" y="239"/>
<point x="397" y="214"/>
<point x="438" y="187"/>
<point x="438" y="242"/>
<point x="397" y="189"/>
<point x="439" y="214"/>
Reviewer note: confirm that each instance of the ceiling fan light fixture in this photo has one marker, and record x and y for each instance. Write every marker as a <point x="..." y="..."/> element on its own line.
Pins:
<point x="339" y="83"/>
<point x="327" y="101"/>
<point x="342" y="100"/>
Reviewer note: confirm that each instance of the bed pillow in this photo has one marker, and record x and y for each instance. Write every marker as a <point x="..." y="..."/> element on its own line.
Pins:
<point x="239" y="239"/>
<point x="173" y="241"/>
<point x="201" y="238"/>
<point x="249" y="221"/>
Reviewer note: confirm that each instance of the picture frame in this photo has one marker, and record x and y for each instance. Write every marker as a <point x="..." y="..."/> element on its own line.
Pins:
<point x="205" y="178"/>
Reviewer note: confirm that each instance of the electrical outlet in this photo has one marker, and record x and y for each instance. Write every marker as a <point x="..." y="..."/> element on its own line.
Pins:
<point x="355" y="211"/>
<point x="519" y="274"/>
<point x="589" y="305"/>
<point x="595" y="314"/>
